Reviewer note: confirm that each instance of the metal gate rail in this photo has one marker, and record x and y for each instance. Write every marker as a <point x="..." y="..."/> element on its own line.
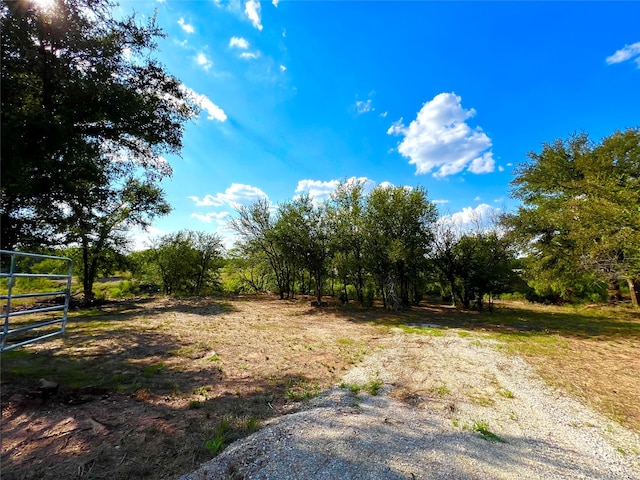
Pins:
<point x="8" y="313"/>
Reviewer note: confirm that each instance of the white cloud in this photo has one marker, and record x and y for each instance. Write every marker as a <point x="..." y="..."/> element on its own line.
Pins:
<point x="386" y="185"/>
<point x="478" y="198"/>
<point x="237" y="194"/>
<point x="628" y="52"/>
<point x="364" y="106"/>
<point x="481" y="216"/>
<point x="283" y="68"/>
<point x="319" y="190"/>
<point x="250" y="55"/>
<point x="439" y="138"/>
<point x="275" y="3"/>
<point x="284" y="33"/>
<point x="185" y="26"/>
<point x="384" y="114"/>
<point x="252" y="11"/>
<point x="203" y="61"/>
<point x="214" y="112"/>
<point x="239" y="42"/>
<point x="141" y="239"/>
<point x="500" y="168"/>
<point x="218" y="217"/>
<point x="440" y="202"/>
<point x="509" y="164"/>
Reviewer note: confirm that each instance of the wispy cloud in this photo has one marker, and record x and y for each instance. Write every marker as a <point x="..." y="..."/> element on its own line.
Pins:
<point x="239" y="42"/>
<point x="439" y="138"/>
<point x="250" y="55"/>
<point x="237" y="194"/>
<point x="252" y="10"/>
<point x="275" y="3"/>
<point x="364" y="106"/>
<point x="283" y="68"/>
<point x="628" y="52"/>
<point x="185" y="26"/>
<point x="440" y="202"/>
<point x="218" y="217"/>
<point x="214" y="112"/>
<point x="203" y="61"/>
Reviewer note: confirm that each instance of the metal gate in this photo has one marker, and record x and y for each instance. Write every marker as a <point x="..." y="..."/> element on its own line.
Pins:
<point x="17" y="266"/>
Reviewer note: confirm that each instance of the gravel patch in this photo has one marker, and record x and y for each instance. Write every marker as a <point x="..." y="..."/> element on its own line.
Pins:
<point x="449" y="408"/>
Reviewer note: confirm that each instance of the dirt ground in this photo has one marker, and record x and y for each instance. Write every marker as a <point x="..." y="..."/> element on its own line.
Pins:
<point x="146" y="387"/>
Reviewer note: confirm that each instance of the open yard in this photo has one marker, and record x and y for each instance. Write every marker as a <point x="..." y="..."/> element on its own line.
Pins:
<point x="151" y="388"/>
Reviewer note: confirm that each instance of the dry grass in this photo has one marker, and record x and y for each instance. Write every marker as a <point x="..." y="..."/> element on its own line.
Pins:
<point x="146" y="385"/>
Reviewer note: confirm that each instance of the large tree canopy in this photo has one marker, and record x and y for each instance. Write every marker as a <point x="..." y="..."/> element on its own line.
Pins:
<point x="84" y="104"/>
<point x="580" y="210"/>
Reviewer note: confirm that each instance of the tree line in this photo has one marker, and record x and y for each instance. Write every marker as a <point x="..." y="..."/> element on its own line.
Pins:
<point x="87" y="114"/>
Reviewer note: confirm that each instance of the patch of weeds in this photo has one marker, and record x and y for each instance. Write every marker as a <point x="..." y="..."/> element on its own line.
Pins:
<point x="252" y="424"/>
<point x="151" y="370"/>
<point x="621" y="451"/>
<point x="482" y="427"/>
<point x="353" y="387"/>
<point x="506" y="393"/>
<point x="513" y="416"/>
<point x="464" y="334"/>
<point x="455" y="422"/>
<point x="373" y="387"/>
<point x="195" y="404"/>
<point x="476" y="343"/>
<point x="220" y="435"/>
<point x="346" y="341"/>
<point x="203" y="390"/>
<point x="215" y="358"/>
<point x="441" y="390"/>
<point x="302" y="391"/>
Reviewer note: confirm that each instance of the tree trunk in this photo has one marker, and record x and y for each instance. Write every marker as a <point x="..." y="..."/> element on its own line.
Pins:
<point x="613" y="291"/>
<point x="634" y="290"/>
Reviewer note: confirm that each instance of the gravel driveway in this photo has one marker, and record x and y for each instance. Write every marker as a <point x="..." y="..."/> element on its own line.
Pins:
<point x="451" y="407"/>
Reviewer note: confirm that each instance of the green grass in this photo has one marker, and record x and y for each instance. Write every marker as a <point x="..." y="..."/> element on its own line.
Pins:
<point x="220" y="435"/>
<point x="152" y="370"/>
<point x="441" y="390"/>
<point x="482" y="427"/>
<point x="372" y="387"/>
<point x="432" y="332"/>
<point x="302" y="391"/>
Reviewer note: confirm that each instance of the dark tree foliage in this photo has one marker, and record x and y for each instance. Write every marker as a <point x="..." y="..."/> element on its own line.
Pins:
<point x="84" y="106"/>
<point x="580" y="212"/>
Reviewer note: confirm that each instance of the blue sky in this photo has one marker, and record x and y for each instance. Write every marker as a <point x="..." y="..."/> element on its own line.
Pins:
<point x="299" y="95"/>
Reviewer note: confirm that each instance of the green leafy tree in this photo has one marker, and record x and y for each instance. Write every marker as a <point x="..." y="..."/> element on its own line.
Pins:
<point x="188" y="262"/>
<point x="256" y="228"/>
<point x="84" y="105"/>
<point x="398" y="234"/>
<point x="580" y="209"/>
<point x="302" y="233"/>
<point x="472" y="264"/>
<point x="345" y="216"/>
